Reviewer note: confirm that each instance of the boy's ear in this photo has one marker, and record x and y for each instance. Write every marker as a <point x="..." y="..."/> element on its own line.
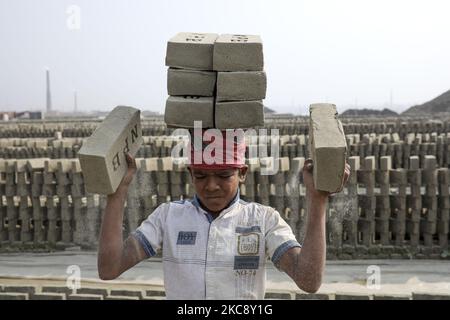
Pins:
<point x="243" y="174"/>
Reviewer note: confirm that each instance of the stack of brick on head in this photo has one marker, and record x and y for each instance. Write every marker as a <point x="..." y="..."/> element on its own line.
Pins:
<point x="218" y="80"/>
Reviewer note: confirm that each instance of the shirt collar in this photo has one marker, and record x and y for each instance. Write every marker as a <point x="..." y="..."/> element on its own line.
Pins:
<point x="197" y="204"/>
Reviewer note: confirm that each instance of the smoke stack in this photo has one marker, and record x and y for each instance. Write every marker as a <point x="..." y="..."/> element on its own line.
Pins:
<point x="49" y="95"/>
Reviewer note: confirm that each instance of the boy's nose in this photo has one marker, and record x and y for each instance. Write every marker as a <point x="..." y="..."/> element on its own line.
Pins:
<point x="211" y="184"/>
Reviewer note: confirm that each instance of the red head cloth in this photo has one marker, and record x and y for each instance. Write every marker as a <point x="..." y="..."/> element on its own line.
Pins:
<point x="215" y="149"/>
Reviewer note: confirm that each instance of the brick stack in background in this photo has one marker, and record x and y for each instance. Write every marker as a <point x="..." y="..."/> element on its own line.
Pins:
<point x="218" y="80"/>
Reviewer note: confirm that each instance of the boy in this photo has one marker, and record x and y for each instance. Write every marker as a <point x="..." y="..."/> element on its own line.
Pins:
<point x="215" y="245"/>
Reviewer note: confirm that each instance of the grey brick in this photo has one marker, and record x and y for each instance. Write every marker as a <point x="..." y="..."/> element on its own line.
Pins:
<point x="278" y="295"/>
<point x="239" y="114"/>
<point x="429" y="296"/>
<point x="238" y="53"/>
<point x="19" y="289"/>
<point x="182" y="82"/>
<point x="152" y="293"/>
<point x="13" y="296"/>
<point x="84" y="297"/>
<point x="392" y="297"/>
<point x="328" y="147"/>
<point x="121" y="298"/>
<point x="47" y="296"/>
<point x="313" y="296"/>
<point x="55" y="289"/>
<point x="102" y="156"/>
<point x="183" y="111"/>
<point x="237" y="86"/>
<point x="96" y="291"/>
<point x="191" y="50"/>
<point x="127" y="293"/>
<point x="352" y="296"/>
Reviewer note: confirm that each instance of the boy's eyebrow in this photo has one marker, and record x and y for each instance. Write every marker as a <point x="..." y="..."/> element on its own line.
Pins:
<point x="222" y="172"/>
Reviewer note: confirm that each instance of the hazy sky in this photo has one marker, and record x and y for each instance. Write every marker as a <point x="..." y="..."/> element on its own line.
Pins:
<point x="346" y="52"/>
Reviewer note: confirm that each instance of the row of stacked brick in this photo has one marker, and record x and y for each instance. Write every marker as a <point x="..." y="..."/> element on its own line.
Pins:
<point x="292" y="125"/>
<point x="17" y="288"/>
<point x="386" y="212"/>
<point x="218" y="80"/>
<point x="291" y="146"/>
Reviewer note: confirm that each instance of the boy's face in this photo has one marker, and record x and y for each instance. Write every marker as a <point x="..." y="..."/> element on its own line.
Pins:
<point x="216" y="188"/>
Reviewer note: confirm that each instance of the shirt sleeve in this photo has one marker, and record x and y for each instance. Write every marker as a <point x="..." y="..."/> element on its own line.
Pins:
<point x="150" y="233"/>
<point x="279" y="237"/>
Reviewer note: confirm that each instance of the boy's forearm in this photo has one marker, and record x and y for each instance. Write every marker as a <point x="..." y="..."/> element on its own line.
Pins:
<point x="111" y="238"/>
<point x="313" y="253"/>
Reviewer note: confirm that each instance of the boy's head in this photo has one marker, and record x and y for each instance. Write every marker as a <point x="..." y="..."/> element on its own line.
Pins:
<point x="216" y="188"/>
<point x="217" y="166"/>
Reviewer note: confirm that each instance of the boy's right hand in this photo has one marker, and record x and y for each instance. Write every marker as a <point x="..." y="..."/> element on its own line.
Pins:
<point x="131" y="162"/>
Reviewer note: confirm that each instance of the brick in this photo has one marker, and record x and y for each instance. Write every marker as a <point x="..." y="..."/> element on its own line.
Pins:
<point x="234" y="52"/>
<point x="429" y="296"/>
<point x="278" y="295"/>
<point x="153" y="298"/>
<point x="154" y="293"/>
<point x="370" y="163"/>
<point x="165" y="164"/>
<point x="297" y="164"/>
<point x="149" y="164"/>
<point x="21" y="165"/>
<point x="19" y="289"/>
<point x="395" y="137"/>
<point x="181" y="82"/>
<point x="84" y="297"/>
<point x="36" y="164"/>
<point x="94" y="291"/>
<point x="239" y="114"/>
<point x="352" y="296"/>
<point x="236" y="86"/>
<point x="430" y="162"/>
<point x="313" y="296"/>
<point x="121" y="298"/>
<point x="391" y="297"/>
<point x="126" y="293"/>
<point x="386" y="163"/>
<point x="191" y="50"/>
<point x="62" y="290"/>
<point x="13" y="296"/>
<point x="253" y="164"/>
<point x="328" y="147"/>
<point x="102" y="157"/>
<point x="354" y="163"/>
<point x="414" y="163"/>
<point x="183" y="111"/>
<point x="48" y="296"/>
<point x="283" y="164"/>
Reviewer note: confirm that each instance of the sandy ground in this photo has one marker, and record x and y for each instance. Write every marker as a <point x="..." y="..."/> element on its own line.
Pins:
<point x="350" y="276"/>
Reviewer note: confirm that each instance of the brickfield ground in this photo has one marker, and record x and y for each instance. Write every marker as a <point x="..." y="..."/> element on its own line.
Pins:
<point x="418" y="279"/>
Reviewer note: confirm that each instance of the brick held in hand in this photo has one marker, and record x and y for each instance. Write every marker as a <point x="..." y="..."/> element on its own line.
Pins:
<point x="191" y="51"/>
<point x="234" y="52"/>
<point x="328" y="147"/>
<point x="181" y="112"/>
<point x="181" y="82"/>
<point x="102" y="156"/>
